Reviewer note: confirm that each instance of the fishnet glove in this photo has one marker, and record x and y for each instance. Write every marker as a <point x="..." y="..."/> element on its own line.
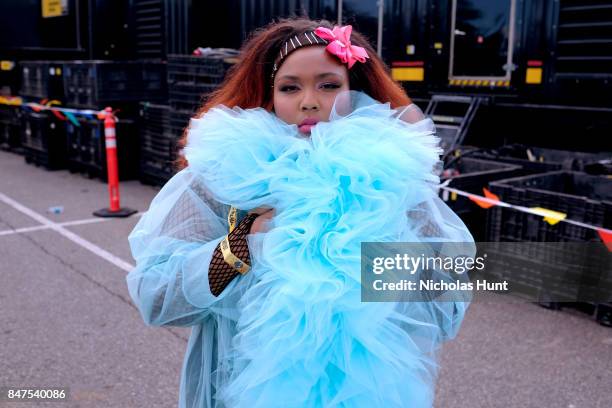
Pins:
<point x="220" y="274"/>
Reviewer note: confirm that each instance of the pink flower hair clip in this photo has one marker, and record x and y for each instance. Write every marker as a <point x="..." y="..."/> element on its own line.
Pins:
<point x="340" y="44"/>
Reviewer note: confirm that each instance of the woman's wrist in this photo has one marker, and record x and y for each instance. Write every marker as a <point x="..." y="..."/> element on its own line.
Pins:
<point x="220" y="273"/>
<point x="234" y="246"/>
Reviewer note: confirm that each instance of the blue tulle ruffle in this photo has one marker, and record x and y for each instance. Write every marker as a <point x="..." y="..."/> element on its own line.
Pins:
<point x="304" y="337"/>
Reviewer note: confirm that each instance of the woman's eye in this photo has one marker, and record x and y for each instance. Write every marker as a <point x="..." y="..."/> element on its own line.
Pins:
<point x="290" y="88"/>
<point x="287" y="88"/>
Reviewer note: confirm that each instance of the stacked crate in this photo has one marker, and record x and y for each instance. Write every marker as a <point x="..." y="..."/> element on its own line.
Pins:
<point x="121" y="85"/>
<point x="10" y="78"/>
<point x="536" y="160"/>
<point x="471" y="175"/>
<point x="190" y="79"/>
<point x="42" y="80"/>
<point x="43" y="135"/>
<point x="157" y="144"/>
<point x="96" y="84"/>
<point x="582" y="197"/>
<point x="87" y="150"/>
<point x="10" y="125"/>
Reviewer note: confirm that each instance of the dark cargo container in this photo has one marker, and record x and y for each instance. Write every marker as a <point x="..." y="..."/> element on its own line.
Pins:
<point x="93" y="29"/>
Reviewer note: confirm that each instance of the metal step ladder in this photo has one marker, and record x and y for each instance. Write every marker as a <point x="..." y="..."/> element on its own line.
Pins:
<point x="452" y="115"/>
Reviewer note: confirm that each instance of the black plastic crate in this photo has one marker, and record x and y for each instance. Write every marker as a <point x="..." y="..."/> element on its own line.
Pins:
<point x="471" y="175"/>
<point x="179" y="121"/>
<point x="42" y="80"/>
<point x="583" y="197"/>
<point x="187" y="96"/>
<point x="603" y="314"/>
<point x="155" y="173"/>
<point x="191" y="78"/>
<point x="599" y="167"/>
<point x="530" y="276"/>
<point x="155" y="117"/>
<point x="10" y="127"/>
<point x="9" y="114"/>
<point x="156" y="169"/>
<point x="95" y="84"/>
<point x="155" y="131"/>
<point x="155" y="138"/>
<point x="205" y="69"/>
<point x="10" y="78"/>
<point x="535" y="160"/>
<point x="87" y="149"/>
<point x="557" y="277"/>
<point x="10" y="138"/>
<point x="157" y="144"/>
<point x="43" y="138"/>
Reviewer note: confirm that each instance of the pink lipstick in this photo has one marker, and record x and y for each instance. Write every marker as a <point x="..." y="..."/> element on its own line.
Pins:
<point x="307" y="124"/>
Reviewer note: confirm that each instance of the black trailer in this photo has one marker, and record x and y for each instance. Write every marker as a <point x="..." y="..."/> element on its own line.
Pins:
<point x="537" y="72"/>
<point x="540" y="51"/>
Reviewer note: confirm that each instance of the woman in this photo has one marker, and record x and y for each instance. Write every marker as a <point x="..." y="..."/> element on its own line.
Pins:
<point x="308" y="149"/>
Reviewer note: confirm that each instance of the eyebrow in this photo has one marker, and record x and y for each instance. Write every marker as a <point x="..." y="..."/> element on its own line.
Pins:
<point x="324" y="74"/>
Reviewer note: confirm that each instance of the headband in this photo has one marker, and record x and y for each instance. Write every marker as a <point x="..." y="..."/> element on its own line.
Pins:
<point x="338" y="42"/>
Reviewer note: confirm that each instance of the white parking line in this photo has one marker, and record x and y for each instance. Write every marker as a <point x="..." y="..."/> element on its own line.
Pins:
<point x="26" y="229"/>
<point x="63" y="224"/>
<point x="48" y="224"/>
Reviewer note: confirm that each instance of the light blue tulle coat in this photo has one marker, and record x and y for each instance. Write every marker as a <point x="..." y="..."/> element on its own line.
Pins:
<point x="293" y="332"/>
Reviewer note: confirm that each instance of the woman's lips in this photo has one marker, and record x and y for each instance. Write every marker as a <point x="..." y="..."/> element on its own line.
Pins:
<point x="306" y="128"/>
<point x="307" y="124"/>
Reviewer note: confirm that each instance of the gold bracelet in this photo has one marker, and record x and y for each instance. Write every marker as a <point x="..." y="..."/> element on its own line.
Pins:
<point x="232" y="217"/>
<point x="232" y="259"/>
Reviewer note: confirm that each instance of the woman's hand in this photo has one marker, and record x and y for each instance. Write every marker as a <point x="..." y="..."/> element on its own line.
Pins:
<point x="260" y="223"/>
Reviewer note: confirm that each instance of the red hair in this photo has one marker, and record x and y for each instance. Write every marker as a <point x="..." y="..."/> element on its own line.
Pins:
<point x="257" y="56"/>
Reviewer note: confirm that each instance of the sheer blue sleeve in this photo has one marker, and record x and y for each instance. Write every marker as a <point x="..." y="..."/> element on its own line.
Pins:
<point x="173" y="245"/>
<point x="434" y="221"/>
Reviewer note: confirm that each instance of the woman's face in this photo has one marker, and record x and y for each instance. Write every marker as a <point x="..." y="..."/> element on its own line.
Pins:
<point x="306" y="86"/>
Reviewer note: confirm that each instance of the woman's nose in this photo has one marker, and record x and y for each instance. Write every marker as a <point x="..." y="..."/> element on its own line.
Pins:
<point x="309" y="102"/>
<point x="311" y="106"/>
